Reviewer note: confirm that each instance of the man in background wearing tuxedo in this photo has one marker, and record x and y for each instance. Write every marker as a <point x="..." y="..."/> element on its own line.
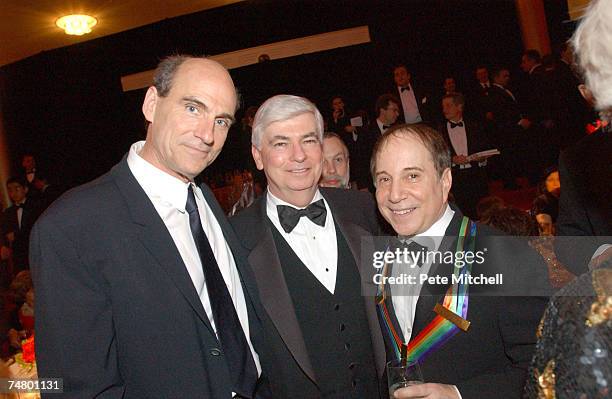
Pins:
<point x="464" y="137"/>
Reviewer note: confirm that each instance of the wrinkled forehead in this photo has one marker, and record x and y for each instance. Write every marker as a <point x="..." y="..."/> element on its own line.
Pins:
<point x="403" y="150"/>
<point x="207" y="77"/>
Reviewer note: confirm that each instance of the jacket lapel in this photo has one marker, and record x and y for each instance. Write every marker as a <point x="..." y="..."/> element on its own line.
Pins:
<point x="354" y="234"/>
<point x="430" y="294"/>
<point x="238" y="251"/>
<point x="154" y="236"/>
<point x="274" y="292"/>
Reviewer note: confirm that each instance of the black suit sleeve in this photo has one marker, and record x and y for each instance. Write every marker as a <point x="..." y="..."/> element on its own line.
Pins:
<point x="79" y="314"/>
<point x="573" y="221"/>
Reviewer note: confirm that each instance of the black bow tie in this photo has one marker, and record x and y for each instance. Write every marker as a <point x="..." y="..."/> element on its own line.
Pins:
<point x="454" y="125"/>
<point x="290" y="216"/>
<point x="412" y="249"/>
<point x="405" y="88"/>
<point x="386" y="126"/>
<point x="18" y="206"/>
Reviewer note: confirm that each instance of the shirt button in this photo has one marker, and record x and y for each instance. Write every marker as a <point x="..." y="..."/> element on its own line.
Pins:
<point x="215" y="352"/>
<point x="327" y="269"/>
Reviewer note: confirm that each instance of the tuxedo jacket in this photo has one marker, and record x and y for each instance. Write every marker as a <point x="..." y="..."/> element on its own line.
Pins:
<point x="585" y="209"/>
<point x="354" y="213"/>
<point x="117" y="315"/>
<point x="506" y="110"/>
<point x="490" y="359"/>
<point x="364" y="146"/>
<point x="10" y="224"/>
<point x="423" y="101"/>
<point x="477" y="139"/>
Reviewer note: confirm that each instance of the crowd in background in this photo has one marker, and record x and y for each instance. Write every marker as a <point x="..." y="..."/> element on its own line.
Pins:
<point x="529" y="119"/>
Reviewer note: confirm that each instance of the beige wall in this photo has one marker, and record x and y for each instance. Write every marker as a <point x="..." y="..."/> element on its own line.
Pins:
<point x="576" y="8"/>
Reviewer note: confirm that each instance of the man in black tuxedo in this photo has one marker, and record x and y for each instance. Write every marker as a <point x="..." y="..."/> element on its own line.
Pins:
<point x="488" y="358"/>
<point x="304" y="242"/>
<point x="17" y="222"/>
<point x="414" y="103"/>
<point x="387" y="110"/>
<point x="142" y="288"/>
<point x="478" y="95"/>
<point x="465" y="137"/>
<point x="510" y="131"/>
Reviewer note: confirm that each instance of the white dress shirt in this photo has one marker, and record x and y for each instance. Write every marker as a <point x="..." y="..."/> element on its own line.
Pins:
<point x="405" y="304"/>
<point x="169" y="197"/>
<point x="381" y="126"/>
<point x="409" y="105"/>
<point x="458" y="138"/>
<point x="20" y="212"/>
<point x="315" y="245"/>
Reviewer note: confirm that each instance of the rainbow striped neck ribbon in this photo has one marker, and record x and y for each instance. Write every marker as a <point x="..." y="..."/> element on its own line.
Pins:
<point x="450" y="317"/>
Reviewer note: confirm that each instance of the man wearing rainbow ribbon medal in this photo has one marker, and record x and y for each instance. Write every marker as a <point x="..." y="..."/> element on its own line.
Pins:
<point x="473" y="337"/>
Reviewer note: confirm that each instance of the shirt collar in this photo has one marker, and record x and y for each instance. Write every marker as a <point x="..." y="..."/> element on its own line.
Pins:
<point x="157" y="184"/>
<point x="273" y="200"/>
<point x="436" y="231"/>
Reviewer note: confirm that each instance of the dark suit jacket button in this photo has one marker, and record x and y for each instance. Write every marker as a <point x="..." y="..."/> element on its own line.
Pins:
<point x="215" y="352"/>
<point x="347" y="346"/>
<point x="342" y="327"/>
<point x="352" y="365"/>
<point x="337" y="306"/>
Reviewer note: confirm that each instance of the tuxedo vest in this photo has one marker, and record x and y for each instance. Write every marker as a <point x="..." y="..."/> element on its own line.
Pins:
<point x="334" y="326"/>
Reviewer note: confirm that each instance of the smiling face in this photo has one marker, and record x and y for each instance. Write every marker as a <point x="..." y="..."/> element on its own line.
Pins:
<point x="291" y="157"/>
<point x="335" y="163"/>
<point x="189" y="126"/>
<point x="410" y="194"/>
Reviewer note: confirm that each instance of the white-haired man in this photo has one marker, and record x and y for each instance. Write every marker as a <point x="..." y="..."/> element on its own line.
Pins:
<point x="322" y="335"/>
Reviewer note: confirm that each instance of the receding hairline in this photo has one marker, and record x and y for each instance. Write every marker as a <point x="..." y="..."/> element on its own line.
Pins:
<point x="342" y="145"/>
<point x="404" y="133"/>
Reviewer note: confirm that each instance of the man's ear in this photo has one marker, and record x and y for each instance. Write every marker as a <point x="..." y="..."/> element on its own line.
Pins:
<point x="586" y="94"/>
<point x="149" y="104"/>
<point x="447" y="182"/>
<point x="257" y="157"/>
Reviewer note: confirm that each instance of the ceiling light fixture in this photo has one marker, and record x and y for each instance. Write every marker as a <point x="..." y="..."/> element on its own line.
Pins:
<point x="76" y="24"/>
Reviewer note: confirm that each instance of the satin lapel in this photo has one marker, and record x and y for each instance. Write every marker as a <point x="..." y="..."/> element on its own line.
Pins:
<point x="356" y="237"/>
<point x="238" y="251"/>
<point x="154" y="236"/>
<point x="275" y="297"/>
<point x="430" y="294"/>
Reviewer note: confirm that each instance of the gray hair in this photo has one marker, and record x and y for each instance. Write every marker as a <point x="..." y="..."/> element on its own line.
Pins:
<point x="162" y="80"/>
<point x="167" y="68"/>
<point x="281" y="108"/>
<point x="592" y="43"/>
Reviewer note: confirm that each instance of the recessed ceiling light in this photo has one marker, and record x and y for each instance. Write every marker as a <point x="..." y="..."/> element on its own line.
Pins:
<point x="76" y="24"/>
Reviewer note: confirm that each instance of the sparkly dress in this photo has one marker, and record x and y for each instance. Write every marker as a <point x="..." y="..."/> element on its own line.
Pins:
<point x="572" y="358"/>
